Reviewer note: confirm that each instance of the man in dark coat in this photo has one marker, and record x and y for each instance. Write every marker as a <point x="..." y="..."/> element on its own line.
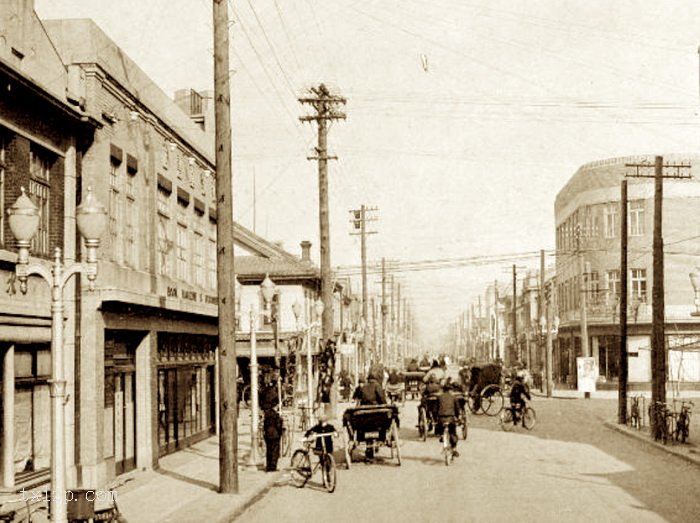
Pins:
<point x="272" y="430"/>
<point x="372" y="393"/>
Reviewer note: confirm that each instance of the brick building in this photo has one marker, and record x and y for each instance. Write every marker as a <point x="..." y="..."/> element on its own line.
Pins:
<point x="44" y="131"/>
<point x="587" y="212"/>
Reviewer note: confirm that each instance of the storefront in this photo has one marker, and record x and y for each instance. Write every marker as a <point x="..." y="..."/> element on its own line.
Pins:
<point x="186" y="390"/>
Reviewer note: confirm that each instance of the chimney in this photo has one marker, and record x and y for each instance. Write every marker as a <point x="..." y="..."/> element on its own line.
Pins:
<point x="305" y="250"/>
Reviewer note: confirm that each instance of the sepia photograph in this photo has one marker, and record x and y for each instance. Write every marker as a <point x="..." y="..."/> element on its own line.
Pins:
<point x="349" y="260"/>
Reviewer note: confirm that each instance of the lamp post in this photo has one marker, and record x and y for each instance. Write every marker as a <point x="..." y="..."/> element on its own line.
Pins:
<point x="267" y="288"/>
<point x="695" y="280"/>
<point x="318" y="309"/>
<point x="24" y="221"/>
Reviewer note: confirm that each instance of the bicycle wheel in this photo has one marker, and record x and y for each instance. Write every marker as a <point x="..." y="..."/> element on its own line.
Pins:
<point x="506" y="420"/>
<point x="285" y="442"/>
<point x="301" y="468"/>
<point x="446" y="449"/>
<point x="245" y="396"/>
<point x="395" y="443"/>
<point x="529" y="418"/>
<point x="422" y="424"/>
<point x="328" y="472"/>
<point x="492" y="400"/>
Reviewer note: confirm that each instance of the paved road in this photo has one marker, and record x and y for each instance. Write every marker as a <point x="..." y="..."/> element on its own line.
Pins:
<point x="569" y="468"/>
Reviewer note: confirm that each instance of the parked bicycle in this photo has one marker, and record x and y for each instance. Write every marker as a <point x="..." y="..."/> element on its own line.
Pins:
<point x="662" y="417"/>
<point x="683" y="421"/>
<point x="303" y="469"/>
<point x="23" y="508"/>
<point x="635" y="417"/>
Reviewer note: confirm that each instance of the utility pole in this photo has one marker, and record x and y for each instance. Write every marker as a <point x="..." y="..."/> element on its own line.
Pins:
<point x="496" y="353"/>
<point x="384" y="311"/>
<point x="583" y="291"/>
<point x="359" y="222"/>
<point x="398" y="323"/>
<point x="392" y="321"/>
<point x="658" y="344"/>
<point x="622" y="391"/>
<point x="515" y="316"/>
<point x="326" y="106"/>
<point x="228" y="400"/>
<point x="549" y="291"/>
<point x="540" y="315"/>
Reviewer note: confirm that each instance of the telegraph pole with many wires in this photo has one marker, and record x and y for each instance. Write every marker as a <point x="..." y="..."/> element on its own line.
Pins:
<point x="228" y="401"/>
<point x="326" y="106"/>
<point x="658" y="344"/>
<point x="360" y="217"/>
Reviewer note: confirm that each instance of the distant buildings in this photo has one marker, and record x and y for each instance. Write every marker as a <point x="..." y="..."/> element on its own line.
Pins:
<point x="587" y="217"/>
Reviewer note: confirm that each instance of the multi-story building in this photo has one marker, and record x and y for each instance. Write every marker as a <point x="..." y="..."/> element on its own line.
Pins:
<point x="587" y="215"/>
<point x="44" y="131"/>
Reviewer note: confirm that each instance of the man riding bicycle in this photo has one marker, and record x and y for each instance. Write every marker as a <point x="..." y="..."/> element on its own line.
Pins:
<point x="448" y="412"/>
<point x="518" y="392"/>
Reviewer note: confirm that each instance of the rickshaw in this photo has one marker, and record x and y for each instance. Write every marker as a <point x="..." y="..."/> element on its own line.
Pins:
<point x="485" y="389"/>
<point x="372" y="427"/>
<point x="414" y="383"/>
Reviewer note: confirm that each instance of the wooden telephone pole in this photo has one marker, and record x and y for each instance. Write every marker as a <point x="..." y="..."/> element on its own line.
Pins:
<point x="658" y="339"/>
<point x="228" y="400"/>
<point x="326" y="106"/>
<point x="360" y="219"/>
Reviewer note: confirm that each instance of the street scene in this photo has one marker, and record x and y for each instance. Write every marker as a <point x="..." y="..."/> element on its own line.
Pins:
<point x="356" y="260"/>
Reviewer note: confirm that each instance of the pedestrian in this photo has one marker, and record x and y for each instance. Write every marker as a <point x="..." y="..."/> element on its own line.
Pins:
<point x="272" y="430"/>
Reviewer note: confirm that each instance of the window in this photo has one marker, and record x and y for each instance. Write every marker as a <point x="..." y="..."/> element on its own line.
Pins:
<point x="613" y="283"/>
<point x="639" y="284"/>
<point x="115" y="210"/>
<point x="163" y="201"/>
<point x="130" y="231"/>
<point x="39" y="190"/>
<point x="164" y="246"/>
<point x="610" y="218"/>
<point x="211" y="264"/>
<point x="636" y="218"/>
<point x="182" y="241"/>
<point x="2" y="189"/>
<point x="198" y="259"/>
<point x="165" y="155"/>
<point x="593" y="287"/>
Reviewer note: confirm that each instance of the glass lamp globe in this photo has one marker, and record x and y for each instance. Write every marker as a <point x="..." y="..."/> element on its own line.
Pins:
<point x="91" y="217"/>
<point x="267" y="288"/>
<point x="23" y="218"/>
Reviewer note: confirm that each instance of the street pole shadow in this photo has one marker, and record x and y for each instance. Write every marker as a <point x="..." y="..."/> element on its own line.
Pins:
<point x="425" y="460"/>
<point x="186" y="479"/>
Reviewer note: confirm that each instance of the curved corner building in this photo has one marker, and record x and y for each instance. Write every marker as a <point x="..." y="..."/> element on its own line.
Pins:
<point x="588" y="243"/>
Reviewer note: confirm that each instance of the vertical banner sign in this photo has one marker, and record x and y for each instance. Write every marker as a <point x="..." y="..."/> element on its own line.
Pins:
<point x="587" y="374"/>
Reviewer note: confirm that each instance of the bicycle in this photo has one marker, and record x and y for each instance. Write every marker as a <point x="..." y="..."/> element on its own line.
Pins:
<point x="526" y="416"/>
<point x="662" y="417"/>
<point x="448" y="452"/>
<point x="635" y="419"/>
<point x="23" y="514"/>
<point x="683" y="421"/>
<point x="302" y="469"/>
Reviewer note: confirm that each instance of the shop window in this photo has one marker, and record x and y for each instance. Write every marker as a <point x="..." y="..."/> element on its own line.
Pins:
<point x="40" y="162"/>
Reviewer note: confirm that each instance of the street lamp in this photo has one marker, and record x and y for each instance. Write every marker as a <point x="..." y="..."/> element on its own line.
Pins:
<point x="695" y="280"/>
<point x="24" y="222"/>
<point x="318" y="309"/>
<point x="267" y="289"/>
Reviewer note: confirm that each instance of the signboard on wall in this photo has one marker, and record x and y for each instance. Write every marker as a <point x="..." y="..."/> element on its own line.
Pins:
<point x="587" y="374"/>
<point x="346" y="348"/>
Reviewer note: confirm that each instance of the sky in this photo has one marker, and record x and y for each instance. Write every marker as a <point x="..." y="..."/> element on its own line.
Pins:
<point x="464" y="118"/>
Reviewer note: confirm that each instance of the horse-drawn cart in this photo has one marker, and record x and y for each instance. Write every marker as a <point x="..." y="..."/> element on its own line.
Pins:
<point x="372" y="427"/>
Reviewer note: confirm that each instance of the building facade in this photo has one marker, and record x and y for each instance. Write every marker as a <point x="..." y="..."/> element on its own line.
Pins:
<point x="44" y="131"/>
<point x="588" y="243"/>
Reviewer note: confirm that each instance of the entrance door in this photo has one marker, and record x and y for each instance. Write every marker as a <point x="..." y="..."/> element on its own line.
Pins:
<point x="120" y="396"/>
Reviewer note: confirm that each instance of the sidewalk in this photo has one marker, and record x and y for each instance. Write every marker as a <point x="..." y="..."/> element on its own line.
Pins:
<point x="184" y="488"/>
<point x="688" y="451"/>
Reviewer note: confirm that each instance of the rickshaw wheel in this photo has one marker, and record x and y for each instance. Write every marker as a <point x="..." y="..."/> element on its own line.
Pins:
<point x="395" y="442"/>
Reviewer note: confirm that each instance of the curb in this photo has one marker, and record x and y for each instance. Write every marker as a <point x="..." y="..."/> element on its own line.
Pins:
<point x="252" y="498"/>
<point x="687" y="456"/>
